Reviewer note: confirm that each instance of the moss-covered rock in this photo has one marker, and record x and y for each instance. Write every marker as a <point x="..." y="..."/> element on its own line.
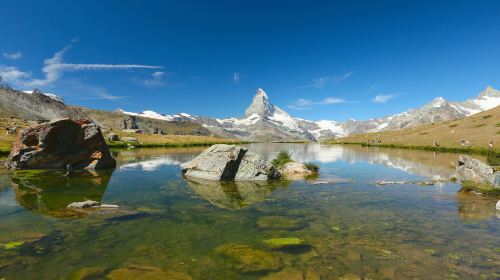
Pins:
<point x="88" y="273"/>
<point x="280" y="223"/>
<point x="286" y="242"/>
<point x="249" y="260"/>
<point x="288" y="273"/>
<point x="146" y="273"/>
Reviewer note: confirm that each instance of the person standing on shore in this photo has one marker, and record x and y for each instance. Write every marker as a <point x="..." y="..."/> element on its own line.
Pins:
<point x="490" y="144"/>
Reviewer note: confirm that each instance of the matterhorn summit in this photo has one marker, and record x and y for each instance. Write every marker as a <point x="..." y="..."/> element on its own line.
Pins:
<point x="260" y="105"/>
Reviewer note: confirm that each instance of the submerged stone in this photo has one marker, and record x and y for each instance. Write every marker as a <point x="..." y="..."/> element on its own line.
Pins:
<point x="286" y="242"/>
<point x="12" y="245"/>
<point x="280" y="223"/>
<point x="249" y="260"/>
<point x="288" y="273"/>
<point x="146" y="273"/>
<point x="88" y="273"/>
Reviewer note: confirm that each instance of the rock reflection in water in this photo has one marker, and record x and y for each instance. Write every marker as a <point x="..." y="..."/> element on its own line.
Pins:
<point x="435" y="166"/>
<point x="49" y="192"/>
<point x="234" y="194"/>
<point x="475" y="207"/>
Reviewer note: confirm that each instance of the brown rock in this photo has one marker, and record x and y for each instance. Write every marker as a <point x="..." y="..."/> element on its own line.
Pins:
<point x="56" y="144"/>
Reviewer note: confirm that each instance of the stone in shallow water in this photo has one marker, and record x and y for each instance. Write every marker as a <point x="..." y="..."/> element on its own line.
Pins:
<point x="56" y="144"/>
<point x="88" y="273"/>
<point x="249" y="260"/>
<point x="280" y="223"/>
<point x="146" y="273"/>
<point x="229" y="162"/>
<point x="286" y="242"/>
<point x="288" y="273"/>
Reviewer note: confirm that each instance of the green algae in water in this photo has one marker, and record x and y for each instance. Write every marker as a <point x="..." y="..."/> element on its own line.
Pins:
<point x="284" y="242"/>
<point x="12" y="245"/>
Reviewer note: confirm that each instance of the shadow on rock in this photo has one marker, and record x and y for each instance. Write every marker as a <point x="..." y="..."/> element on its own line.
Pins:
<point x="234" y="194"/>
<point x="49" y="192"/>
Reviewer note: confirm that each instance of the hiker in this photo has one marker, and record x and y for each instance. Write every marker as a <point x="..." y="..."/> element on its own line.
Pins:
<point x="462" y="142"/>
<point x="490" y="144"/>
<point x="467" y="143"/>
<point x="436" y="144"/>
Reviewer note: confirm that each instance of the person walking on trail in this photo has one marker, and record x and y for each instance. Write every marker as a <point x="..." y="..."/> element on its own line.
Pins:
<point x="467" y="143"/>
<point x="462" y="142"/>
<point x="490" y="144"/>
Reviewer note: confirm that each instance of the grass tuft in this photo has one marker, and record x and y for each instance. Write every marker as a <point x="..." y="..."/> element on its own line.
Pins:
<point x="312" y="167"/>
<point x="282" y="158"/>
<point x="484" y="188"/>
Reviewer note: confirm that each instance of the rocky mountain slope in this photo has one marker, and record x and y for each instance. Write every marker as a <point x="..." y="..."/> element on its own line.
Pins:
<point x="264" y="121"/>
<point x="38" y="106"/>
<point x="478" y="129"/>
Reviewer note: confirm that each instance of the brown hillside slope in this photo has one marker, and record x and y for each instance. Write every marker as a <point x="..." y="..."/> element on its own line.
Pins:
<point x="478" y="129"/>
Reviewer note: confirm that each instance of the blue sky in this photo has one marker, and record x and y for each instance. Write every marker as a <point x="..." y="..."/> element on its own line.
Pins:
<point x="315" y="59"/>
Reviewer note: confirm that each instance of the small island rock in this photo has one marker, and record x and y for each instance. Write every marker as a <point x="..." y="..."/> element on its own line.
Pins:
<point x="229" y="162"/>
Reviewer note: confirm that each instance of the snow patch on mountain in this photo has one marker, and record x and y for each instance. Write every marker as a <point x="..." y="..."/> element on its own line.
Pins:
<point x="50" y="95"/>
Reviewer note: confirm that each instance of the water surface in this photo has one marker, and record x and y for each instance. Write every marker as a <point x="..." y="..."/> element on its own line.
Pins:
<point x="352" y="228"/>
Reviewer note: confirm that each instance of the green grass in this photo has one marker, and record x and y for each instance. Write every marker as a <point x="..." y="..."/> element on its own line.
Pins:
<point x="312" y="167"/>
<point x="479" y="125"/>
<point x="497" y="125"/>
<point x="282" y="158"/>
<point x="487" y="116"/>
<point x="470" y="150"/>
<point x="483" y="188"/>
<point x="453" y="125"/>
<point x="120" y="144"/>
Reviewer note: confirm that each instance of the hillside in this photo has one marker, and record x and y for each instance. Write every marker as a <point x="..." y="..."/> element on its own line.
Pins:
<point x="478" y="129"/>
<point x="38" y="106"/>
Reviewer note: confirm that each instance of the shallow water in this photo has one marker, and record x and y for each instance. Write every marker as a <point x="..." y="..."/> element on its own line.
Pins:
<point x="352" y="228"/>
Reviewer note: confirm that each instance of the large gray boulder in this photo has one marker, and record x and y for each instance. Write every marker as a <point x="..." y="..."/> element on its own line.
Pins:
<point x="229" y="162"/>
<point x="470" y="169"/>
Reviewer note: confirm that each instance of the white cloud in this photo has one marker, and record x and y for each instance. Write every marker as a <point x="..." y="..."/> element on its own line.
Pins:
<point x="13" y="56"/>
<point x="324" y="81"/>
<point x="236" y="77"/>
<point x="157" y="79"/>
<point x="306" y="104"/>
<point x="54" y="68"/>
<point x="383" y="98"/>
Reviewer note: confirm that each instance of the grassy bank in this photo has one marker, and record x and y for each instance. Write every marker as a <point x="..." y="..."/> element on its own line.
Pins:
<point x="483" y="188"/>
<point x="155" y="140"/>
<point x="478" y="129"/>
<point x="493" y="156"/>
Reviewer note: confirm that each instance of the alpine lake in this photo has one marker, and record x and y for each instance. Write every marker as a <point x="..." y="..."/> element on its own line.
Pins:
<point x="339" y="225"/>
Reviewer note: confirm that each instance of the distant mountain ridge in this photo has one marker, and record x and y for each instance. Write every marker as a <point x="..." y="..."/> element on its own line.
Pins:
<point x="264" y="121"/>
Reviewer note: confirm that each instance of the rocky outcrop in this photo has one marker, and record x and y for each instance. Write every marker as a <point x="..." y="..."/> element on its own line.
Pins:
<point x="59" y="143"/>
<point x="295" y="171"/>
<point x="230" y="162"/>
<point x="469" y="169"/>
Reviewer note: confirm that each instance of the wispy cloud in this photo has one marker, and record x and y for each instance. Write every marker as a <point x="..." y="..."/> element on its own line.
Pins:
<point x="383" y="98"/>
<point x="54" y="67"/>
<point x="236" y="77"/>
<point x="13" y="56"/>
<point x="324" y="81"/>
<point x="156" y="80"/>
<point x="100" y="93"/>
<point x="306" y="104"/>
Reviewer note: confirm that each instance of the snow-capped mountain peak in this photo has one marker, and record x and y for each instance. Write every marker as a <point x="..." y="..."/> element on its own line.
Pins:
<point x="260" y="105"/>
<point x="436" y="102"/>
<point x="264" y="121"/>
<point x="45" y="94"/>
